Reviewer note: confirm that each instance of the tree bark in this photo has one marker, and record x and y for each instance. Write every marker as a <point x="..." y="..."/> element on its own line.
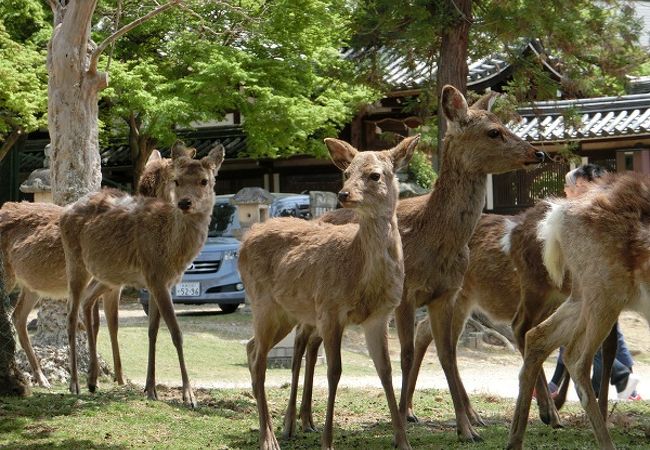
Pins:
<point x="140" y="146"/>
<point x="452" y="62"/>
<point x="12" y="381"/>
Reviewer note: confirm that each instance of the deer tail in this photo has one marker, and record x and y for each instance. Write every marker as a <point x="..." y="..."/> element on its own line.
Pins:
<point x="549" y="231"/>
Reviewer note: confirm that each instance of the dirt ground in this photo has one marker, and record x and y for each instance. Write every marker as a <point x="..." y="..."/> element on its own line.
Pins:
<point x="486" y="369"/>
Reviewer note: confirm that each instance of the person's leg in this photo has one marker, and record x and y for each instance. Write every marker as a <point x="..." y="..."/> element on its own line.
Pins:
<point x="623" y="354"/>
<point x="557" y="374"/>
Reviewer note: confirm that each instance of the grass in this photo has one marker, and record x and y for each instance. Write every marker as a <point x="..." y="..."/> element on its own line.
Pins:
<point x="215" y="351"/>
<point x="121" y="417"/>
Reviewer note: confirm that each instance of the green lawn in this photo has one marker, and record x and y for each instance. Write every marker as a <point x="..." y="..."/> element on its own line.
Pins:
<point x="215" y="350"/>
<point x="121" y="417"/>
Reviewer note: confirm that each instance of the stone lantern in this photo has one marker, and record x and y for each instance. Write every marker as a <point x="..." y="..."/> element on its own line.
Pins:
<point x="38" y="182"/>
<point x="253" y="207"/>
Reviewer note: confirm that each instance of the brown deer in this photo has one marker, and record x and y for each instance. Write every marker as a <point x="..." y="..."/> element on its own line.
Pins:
<point x="435" y="230"/>
<point x="602" y="239"/>
<point x="506" y="280"/>
<point x="139" y="241"/>
<point x="30" y="240"/>
<point x="350" y="273"/>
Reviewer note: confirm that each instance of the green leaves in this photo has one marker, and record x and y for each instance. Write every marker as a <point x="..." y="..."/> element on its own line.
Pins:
<point x="23" y="78"/>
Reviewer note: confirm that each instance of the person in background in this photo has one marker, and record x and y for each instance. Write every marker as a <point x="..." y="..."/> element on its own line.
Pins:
<point x="577" y="182"/>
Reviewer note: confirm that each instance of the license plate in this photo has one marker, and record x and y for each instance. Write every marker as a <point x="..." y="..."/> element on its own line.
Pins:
<point x="188" y="289"/>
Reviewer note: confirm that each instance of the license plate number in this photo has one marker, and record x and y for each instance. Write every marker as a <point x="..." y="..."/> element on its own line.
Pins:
<point x="188" y="289"/>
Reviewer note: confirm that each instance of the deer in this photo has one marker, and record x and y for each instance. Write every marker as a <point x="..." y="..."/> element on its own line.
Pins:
<point x="602" y="239"/>
<point x="351" y="274"/>
<point x="30" y="241"/>
<point x="435" y="229"/>
<point x="117" y="239"/>
<point x="507" y="280"/>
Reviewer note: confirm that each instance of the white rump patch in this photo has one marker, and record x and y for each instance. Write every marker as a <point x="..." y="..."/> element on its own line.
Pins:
<point x="548" y="232"/>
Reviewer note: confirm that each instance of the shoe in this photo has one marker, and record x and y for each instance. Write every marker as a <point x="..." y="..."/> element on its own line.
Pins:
<point x="630" y="387"/>
<point x="634" y="396"/>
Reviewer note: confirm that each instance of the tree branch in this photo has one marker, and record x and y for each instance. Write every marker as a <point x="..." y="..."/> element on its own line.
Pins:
<point x="9" y="142"/>
<point x="125" y="29"/>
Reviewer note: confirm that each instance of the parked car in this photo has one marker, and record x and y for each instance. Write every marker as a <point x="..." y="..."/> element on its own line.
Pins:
<point x="213" y="277"/>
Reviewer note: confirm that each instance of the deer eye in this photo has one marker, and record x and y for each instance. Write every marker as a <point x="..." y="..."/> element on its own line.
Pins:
<point x="494" y="133"/>
<point x="204" y="182"/>
<point x="375" y="176"/>
<point x="346" y="175"/>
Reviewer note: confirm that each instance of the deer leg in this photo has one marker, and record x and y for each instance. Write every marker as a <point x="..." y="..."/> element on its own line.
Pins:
<point x="299" y="346"/>
<point x="77" y="280"/>
<point x="609" y="354"/>
<point x="405" y="324"/>
<point x="269" y="329"/>
<point x="308" y="386"/>
<point x="91" y="320"/>
<point x="26" y="302"/>
<point x="578" y="358"/>
<point x="332" y="333"/>
<point x="441" y="316"/>
<point x="461" y="310"/>
<point x="523" y="321"/>
<point x="423" y="338"/>
<point x="166" y="309"/>
<point x="562" y="390"/>
<point x="539" y="343"/>
<point x="111" y="300"/>
<point x="376" y="331"/>
<point x="154" y="323"/>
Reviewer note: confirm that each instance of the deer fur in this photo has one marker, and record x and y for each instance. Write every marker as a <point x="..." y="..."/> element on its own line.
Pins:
<point x="603" y="239"/>
<point x="30" y="240"/>
<point x="435" y="229"/>
<point x="138" y="241"/>
<point x="350" y="274"/>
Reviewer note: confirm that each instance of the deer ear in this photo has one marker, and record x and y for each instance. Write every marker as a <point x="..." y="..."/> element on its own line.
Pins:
<point x="179" y="149"/>
<point x="341" y="152"/>
<point x="486" y="101"/>
<point x="155" y="156"/>
<point x="403" y="151"/>
<point x="215" y="158"/>
<point x="454" y="105"/>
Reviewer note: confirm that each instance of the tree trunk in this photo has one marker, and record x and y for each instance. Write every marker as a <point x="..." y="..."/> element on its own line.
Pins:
<point x="452" y="62"/>
<point x="140" y="148"/>
<point x="12" y="381"/>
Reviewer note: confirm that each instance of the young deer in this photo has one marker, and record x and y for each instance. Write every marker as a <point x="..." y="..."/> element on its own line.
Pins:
<point x="351" y="273"/>
<point x="30" y="241"/>
<point x="435" y="229"/>
<point x="602" y="239"/>
<point x="139" y="241"/>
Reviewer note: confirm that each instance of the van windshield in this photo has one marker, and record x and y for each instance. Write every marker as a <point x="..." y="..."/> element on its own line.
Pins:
<point x="224" y="220"/>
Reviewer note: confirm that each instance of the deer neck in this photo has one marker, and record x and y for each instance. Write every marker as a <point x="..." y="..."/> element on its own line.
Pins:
<point x="190" y="231"/>
<point x="378" y="236"/>
<point x="457" y="201"/>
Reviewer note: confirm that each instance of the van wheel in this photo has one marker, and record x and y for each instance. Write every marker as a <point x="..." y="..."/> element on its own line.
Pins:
<point x="228" y="309"/>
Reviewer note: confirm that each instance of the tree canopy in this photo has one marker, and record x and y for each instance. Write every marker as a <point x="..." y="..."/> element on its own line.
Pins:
<point x="24" y="31"/>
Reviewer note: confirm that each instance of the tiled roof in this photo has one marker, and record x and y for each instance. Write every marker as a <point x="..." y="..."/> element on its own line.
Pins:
<point x="600" y="118"/>
<point x="404" y="72"/>
<point x="231" y="137"/>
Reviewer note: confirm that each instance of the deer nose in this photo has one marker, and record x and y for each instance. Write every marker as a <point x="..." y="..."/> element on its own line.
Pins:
<point x="185" y="204"/>
<point x="540" y="156"/>
<point x="343" y="195"/>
